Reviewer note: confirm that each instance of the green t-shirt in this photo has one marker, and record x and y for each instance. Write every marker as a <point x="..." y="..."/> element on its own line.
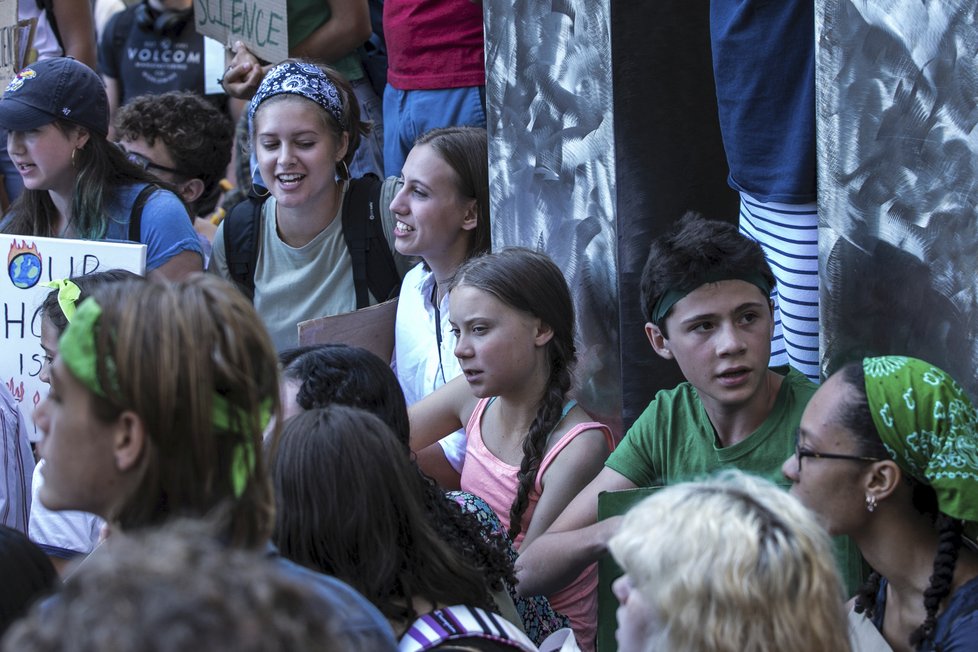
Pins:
<point x="304" y="18"/>
<point x="673" y="440"/>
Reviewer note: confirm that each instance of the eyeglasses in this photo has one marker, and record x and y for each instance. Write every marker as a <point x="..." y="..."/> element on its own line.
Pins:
<point x="145" y="164"/>
<point x="800" y="453"/>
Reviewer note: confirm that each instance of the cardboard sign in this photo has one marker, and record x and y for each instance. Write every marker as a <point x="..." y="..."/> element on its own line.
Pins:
<point x="29" y="263"/>
<point x="259" y="24"/>
<point x="8" y="40"/>
<point x="370" y="328"/>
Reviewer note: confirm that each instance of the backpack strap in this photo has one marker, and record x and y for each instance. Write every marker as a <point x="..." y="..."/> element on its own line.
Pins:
<point x="136" y="213"/>
<point x="374" y="271"/>
<point x="242" y="228"/>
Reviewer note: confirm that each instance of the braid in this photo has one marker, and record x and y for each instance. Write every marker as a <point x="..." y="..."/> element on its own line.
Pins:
<point x="547" y="417"/>
<point x="948" y="546"/>
<point x="866" y="595"/>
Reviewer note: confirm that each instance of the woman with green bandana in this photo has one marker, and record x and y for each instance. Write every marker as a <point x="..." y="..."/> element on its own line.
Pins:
<point x="159" y="397"/>
<point x="887" y="453"/>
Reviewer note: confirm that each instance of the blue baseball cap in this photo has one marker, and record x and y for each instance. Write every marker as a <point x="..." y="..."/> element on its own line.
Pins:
<point x="59" y="88"/>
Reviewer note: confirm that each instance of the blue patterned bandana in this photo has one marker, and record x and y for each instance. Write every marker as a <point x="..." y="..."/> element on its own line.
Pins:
<point x="305" y="80"/>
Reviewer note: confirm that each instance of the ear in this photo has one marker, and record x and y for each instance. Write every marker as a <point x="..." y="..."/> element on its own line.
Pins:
<point x="130" y="441"/>
<point x="471" y="218"/>
<point x="81" y="137"/>
<point x="770" y="305"/>
<point x="191" y="190"/>
<point x="342" y="146"/>
<point x="658" y="341"/>
<point x="544" y="333"/>
<point x="883" y="479"/>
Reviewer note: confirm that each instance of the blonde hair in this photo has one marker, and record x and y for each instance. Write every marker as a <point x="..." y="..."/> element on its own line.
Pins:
<point x="733" y="563"/>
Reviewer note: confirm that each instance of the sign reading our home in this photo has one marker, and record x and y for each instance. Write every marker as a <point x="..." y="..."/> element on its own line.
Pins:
<point x="30" y="262"/>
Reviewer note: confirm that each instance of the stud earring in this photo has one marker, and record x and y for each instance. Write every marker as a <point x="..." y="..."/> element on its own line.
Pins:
<point x="870" y="503"/>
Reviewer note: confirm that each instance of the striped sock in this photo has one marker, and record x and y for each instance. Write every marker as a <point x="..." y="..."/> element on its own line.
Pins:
<point x="788" y="234"/>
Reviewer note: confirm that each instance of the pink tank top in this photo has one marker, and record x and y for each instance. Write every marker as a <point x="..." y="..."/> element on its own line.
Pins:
<point x="493" y="480"/>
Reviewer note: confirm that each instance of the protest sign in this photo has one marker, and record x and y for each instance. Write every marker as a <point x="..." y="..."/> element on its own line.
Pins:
<point x="370" y="328"/>
<point x="30" y="262"/>
<point x="259" y="24"/>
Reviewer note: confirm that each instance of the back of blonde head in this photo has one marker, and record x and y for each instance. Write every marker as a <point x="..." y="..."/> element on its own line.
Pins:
<point x="733" y="564"/>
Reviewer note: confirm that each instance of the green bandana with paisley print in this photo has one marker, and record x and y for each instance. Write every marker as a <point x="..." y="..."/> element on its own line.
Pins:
<point x="930" y="428"/>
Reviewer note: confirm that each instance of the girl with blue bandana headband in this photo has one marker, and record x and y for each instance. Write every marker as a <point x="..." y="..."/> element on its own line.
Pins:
<point x="888" y="454"/>
<point x="305" y="128"/>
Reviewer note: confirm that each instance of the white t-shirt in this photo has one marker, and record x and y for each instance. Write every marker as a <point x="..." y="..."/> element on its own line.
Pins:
<point x="62" y="534"/>
<point x="421" y="365"/>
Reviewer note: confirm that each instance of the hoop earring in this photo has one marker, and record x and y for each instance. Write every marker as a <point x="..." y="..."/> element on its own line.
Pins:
<point x="870" y="503"/>
<point x="74" y="152"/>
<point x="259" y="194"/>
<point x="343" y="170"/>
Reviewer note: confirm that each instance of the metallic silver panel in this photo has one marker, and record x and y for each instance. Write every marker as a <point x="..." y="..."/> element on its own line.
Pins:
<point x="552" y="165"/>
<point x="898" y="181"/>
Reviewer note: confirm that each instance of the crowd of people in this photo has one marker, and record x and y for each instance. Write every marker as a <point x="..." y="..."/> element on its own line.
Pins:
<point x="205" y="482"/>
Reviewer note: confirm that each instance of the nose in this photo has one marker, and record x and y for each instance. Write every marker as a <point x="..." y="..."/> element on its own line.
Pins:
<point x="15" y="141"/>
<point x="286" y="154"/>
<point x="462" y="348"/>
<point x="42" y="419"/>
<point x="44" y="375"/>
<point x="398" y="204"/>
<point x="729" y="340"/>
<point x="790" y="468"/>
<point x="620" y="588"/>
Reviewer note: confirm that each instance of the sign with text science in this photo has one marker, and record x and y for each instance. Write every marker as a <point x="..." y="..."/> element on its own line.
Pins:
<point x="30" y="262"/>
<point x="259" y="24"/>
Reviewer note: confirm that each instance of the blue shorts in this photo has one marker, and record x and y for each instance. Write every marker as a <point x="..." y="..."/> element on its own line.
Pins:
<point x="408" y="114"/>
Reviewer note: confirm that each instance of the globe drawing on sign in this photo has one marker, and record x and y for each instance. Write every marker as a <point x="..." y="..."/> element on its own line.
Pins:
<point x="24" y="265"/>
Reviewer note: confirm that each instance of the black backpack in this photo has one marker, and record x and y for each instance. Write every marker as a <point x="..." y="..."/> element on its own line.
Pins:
<point x="374" y="271"/>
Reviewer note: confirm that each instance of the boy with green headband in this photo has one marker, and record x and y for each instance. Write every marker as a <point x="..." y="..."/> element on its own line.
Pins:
<point x="706" y="293"/>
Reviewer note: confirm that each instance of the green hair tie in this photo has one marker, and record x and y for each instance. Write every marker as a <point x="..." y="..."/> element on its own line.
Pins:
<point x="243" y="457"/>
<point x="68" y="294"/>
<point x="77" y="349"/>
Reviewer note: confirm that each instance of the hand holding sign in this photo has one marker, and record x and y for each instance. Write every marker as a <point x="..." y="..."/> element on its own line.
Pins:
<point x="259" y="24"/>
<point x="244" y="73"/>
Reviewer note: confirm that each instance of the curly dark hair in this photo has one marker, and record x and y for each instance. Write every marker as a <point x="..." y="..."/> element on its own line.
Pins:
<point x="337" y="374"/>
<point x="197" y="134"/>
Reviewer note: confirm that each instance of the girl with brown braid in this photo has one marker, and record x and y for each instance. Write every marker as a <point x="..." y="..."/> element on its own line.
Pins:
<point x="529" y="449"/>
<point x="892" y="461"/>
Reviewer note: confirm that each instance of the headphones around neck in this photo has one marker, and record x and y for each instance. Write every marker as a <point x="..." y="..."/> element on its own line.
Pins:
<point x="168" y="23"/>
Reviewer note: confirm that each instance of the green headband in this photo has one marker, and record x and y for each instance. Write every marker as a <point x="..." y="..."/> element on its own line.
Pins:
<point x="68" y="294"/>
<point x="672" y="296"/>
<point x="930" y="428"/>
<point x="78" y="352"/>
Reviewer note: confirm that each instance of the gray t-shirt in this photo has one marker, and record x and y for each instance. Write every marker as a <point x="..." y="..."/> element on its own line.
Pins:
<point x="295" y="284"/>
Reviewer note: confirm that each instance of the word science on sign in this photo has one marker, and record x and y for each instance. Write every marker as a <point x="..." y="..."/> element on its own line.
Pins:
<point x="260" y="24"/>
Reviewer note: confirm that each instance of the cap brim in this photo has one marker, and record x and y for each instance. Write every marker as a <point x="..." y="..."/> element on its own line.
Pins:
<point x="18" y="116"/>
